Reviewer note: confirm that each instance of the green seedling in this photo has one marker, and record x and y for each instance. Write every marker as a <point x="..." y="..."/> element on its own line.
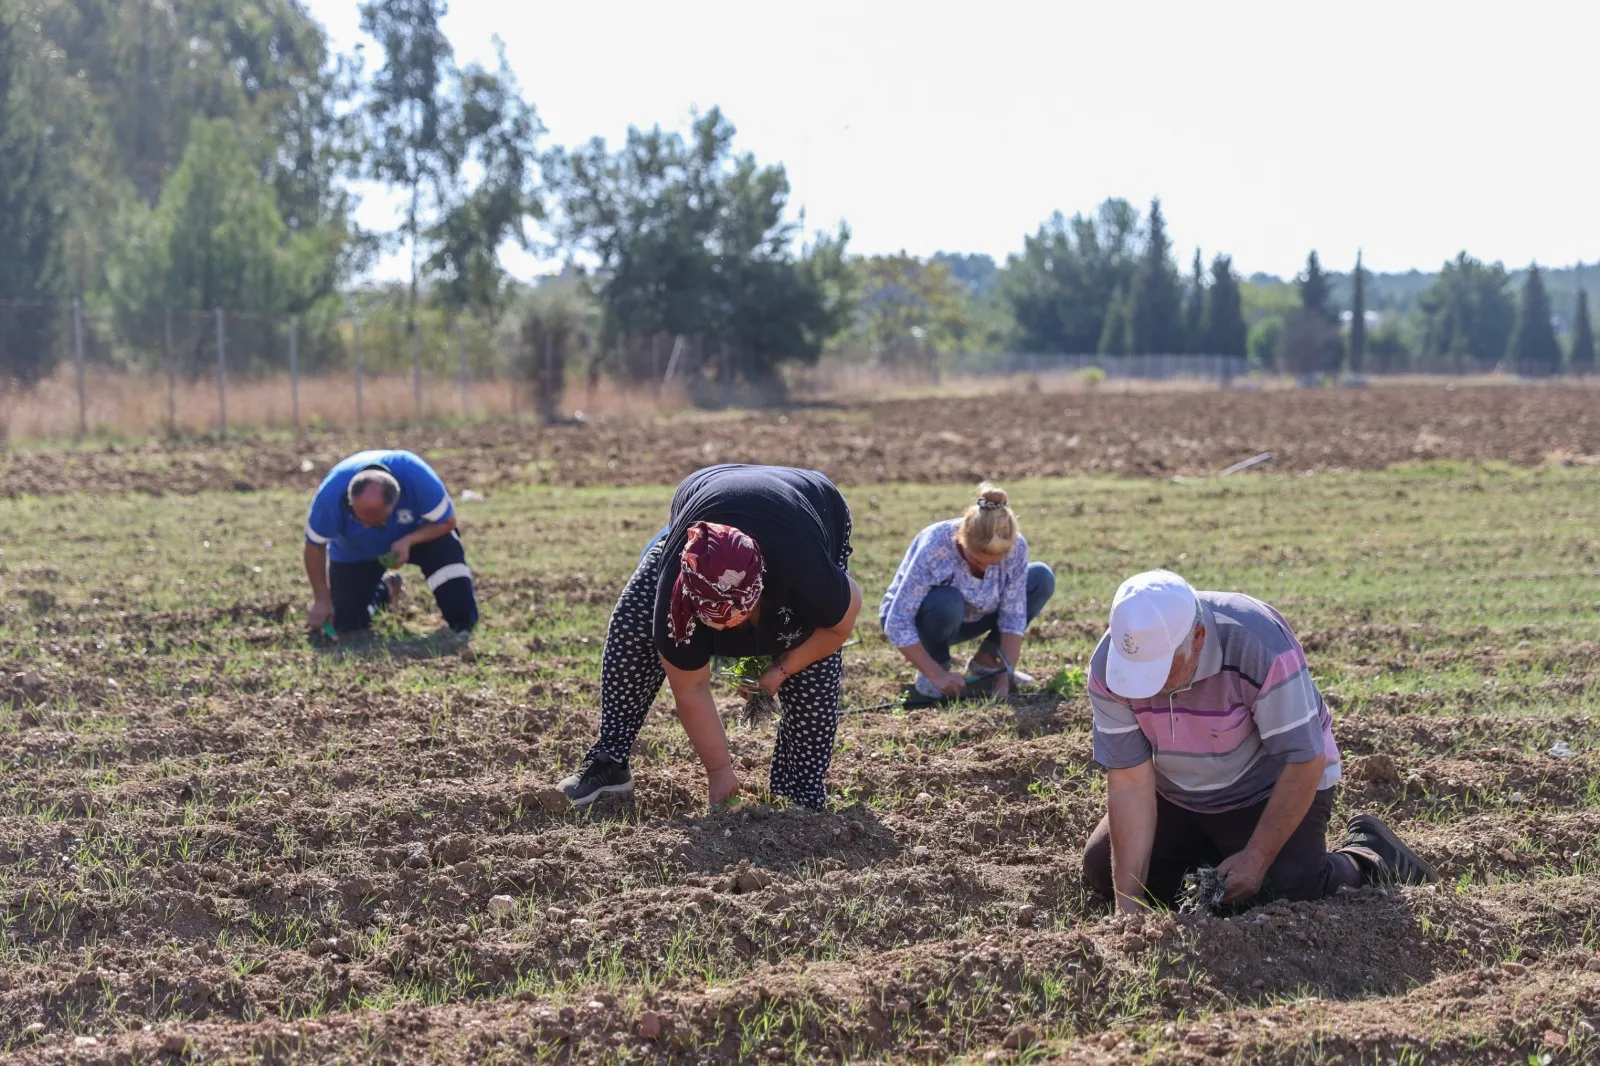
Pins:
<point x="389" y="560"/>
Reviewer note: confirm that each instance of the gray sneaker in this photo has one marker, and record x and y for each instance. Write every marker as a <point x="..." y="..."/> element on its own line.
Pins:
<point x="600" y="776"/>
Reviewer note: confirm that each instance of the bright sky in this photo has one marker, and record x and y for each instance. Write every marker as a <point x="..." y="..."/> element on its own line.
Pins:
<point x="1411" y="129"/>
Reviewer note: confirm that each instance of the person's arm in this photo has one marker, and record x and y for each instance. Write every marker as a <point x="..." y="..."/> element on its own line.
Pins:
<point x="691" y="690"/>
<point x="421" y="535"/>
<point x="1292" y="796"/>
<point x="1131" y="804"/>
<point x="317" y="573"/>
<point x="1013" y="612"/>
<point x="823" y="642"/>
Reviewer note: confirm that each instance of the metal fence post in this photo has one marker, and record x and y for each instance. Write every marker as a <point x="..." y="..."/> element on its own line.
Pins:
<point x="358" y="370"/>
<point x="461" y="357"/>
<point x="294" y="370"/>
<point x="222" y="374"/>
<point x="172" y="377"/>
<point x="77" y="359"/>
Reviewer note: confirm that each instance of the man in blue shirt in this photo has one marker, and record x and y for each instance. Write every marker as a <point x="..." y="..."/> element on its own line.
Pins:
<point x="372" y="504"/>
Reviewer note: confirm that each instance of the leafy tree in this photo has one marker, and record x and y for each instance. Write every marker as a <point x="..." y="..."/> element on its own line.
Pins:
<point x="129" y="77"/>
<point x="1533" y="350"/>
<point x="906" y="305"/>
<point x="1060" y="289"/>
<point x="1194" y="308"/>
<point x="1223" y="330"/>
<point x="976" y="271"/>
<point x="1388" y="346"/>
<point x="1358" y="319"/>
<point x="214" y="240"/>
<point x="1155" y="326"/>
<point x="1582" y="356"/>
<point x="1314" y="288"/>
<point x="1264" y="340"/>
<point x="30" y="219"/>
<point x="410" y="118"/>
<point x="497" y="131"/>
<point x="1116" y="332"/>
<point x="1466" y="314"/>
<point x="693" y="239"/>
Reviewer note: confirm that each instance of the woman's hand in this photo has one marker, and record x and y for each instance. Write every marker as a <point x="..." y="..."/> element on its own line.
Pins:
<point x="773" y="677"/>
<point x="1002" y="686"/>
<point x="949" y="682"/>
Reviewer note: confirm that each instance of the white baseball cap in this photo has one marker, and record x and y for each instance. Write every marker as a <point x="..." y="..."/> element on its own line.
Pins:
<point x="1151" y="618"/>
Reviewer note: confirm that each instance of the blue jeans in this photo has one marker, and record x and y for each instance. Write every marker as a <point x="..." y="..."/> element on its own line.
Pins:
<point x="940" y="619"/>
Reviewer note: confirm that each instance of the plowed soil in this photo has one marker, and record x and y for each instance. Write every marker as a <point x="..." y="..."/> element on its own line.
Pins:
<point x="221" y="842"/>
<point x="942" y="439"/>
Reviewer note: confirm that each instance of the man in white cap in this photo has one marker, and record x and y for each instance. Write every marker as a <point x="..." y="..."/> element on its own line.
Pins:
<point x="1220" y="752"/>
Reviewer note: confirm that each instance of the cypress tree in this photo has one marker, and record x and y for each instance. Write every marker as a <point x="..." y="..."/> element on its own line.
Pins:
<point x="1155" y="325"/>
<point x="1582" y="338"/>
<point x="1358" y="318"/>
<point x="1314" y="289"/>
<point x="1194" y="310"/>
<point x="1534" y="350"/>
<point x="1225" y="331"/>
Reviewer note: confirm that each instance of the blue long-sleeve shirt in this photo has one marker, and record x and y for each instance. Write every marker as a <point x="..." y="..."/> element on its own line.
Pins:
<point x="932" y="561"/>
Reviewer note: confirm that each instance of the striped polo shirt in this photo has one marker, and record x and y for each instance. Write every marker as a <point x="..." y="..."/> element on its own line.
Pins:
<point x="1221" y="743"/>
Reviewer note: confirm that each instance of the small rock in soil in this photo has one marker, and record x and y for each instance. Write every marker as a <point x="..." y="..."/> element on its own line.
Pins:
<point x="35" y="1030"/>
<point x="1513" y="969"/>
<point x="553" y="800"/>
<point x="920" y="851"/>
<point x="501" y="906"/>
<point x="1020" y="1039"/>
<point x="649" y="1024"/>
<point x="1026" y="915"/>
<point x="1593" y="965"/>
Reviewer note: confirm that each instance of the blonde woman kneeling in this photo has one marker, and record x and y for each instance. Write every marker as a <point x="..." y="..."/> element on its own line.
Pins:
<point x="961" y="579"/>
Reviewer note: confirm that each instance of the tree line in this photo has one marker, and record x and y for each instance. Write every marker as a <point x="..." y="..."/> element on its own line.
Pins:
<point x="205" y="155"/>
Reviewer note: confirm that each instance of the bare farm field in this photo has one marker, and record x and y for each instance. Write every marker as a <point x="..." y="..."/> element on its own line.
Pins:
<point x="220" y="843"/>
<point x="938" y="439"/>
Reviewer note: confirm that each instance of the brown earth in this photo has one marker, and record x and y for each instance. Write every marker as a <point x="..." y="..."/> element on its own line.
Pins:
<point x="275" y="876"/>
<point x="944" y="439"/>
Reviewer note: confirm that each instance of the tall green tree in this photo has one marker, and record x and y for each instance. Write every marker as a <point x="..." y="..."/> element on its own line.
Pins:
<point x="1155" y="324"/>
<point x="906" y="306"/>
<point x="1533" y="350"/>
<point x="1358" y="318"/>
<point x="31" y="219"/>
<point x="1315" y="290"/>
<point x="495" y="138"/>
<point x="1582" y="355"/>
<point x="215" y="241"/>
<point x="1060" y="289"/>
<point x="1116" y="330"/>
<point x="409" y="117"/>
<point x="1224" y="331"/>
<point x="693" y="238"/>
<point x="1467" y="314"/>
<point x="1194" y="308"/>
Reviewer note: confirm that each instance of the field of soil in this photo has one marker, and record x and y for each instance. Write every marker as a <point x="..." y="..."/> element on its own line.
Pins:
<point x="937" y="439"/>
<point x="220" y="842"/>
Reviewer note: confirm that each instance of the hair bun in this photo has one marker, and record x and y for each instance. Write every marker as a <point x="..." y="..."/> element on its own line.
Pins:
<point x="991" y="495"/>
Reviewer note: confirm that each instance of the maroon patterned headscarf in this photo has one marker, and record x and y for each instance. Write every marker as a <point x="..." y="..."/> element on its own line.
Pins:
<point x="720" y="579"/>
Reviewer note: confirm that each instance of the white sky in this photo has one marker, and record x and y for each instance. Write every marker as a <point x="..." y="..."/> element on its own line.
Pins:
<point x="1411" y="129"/>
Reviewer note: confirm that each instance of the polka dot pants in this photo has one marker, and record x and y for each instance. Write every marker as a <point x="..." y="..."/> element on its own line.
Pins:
<point x="631" y="675"/>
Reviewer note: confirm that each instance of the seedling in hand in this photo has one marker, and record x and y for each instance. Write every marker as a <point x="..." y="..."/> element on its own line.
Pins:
<point x="389" y="560"/>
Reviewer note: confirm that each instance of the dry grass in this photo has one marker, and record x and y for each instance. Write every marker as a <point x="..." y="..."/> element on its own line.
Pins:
<point x="131" y="405"/>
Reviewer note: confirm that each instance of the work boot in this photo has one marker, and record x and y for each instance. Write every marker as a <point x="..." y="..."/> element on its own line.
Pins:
<point x="600" y="776"/>
<point x="1397" y="864"/>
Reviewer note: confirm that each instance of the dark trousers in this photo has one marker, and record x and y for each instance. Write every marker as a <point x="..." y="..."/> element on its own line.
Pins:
<point x="359" y="591"/>
<point x="1184" y="840"/>
<point x="941" y="620"/>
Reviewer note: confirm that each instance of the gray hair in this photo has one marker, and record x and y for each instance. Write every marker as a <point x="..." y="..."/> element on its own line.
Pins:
<point x="366" y="479"/>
